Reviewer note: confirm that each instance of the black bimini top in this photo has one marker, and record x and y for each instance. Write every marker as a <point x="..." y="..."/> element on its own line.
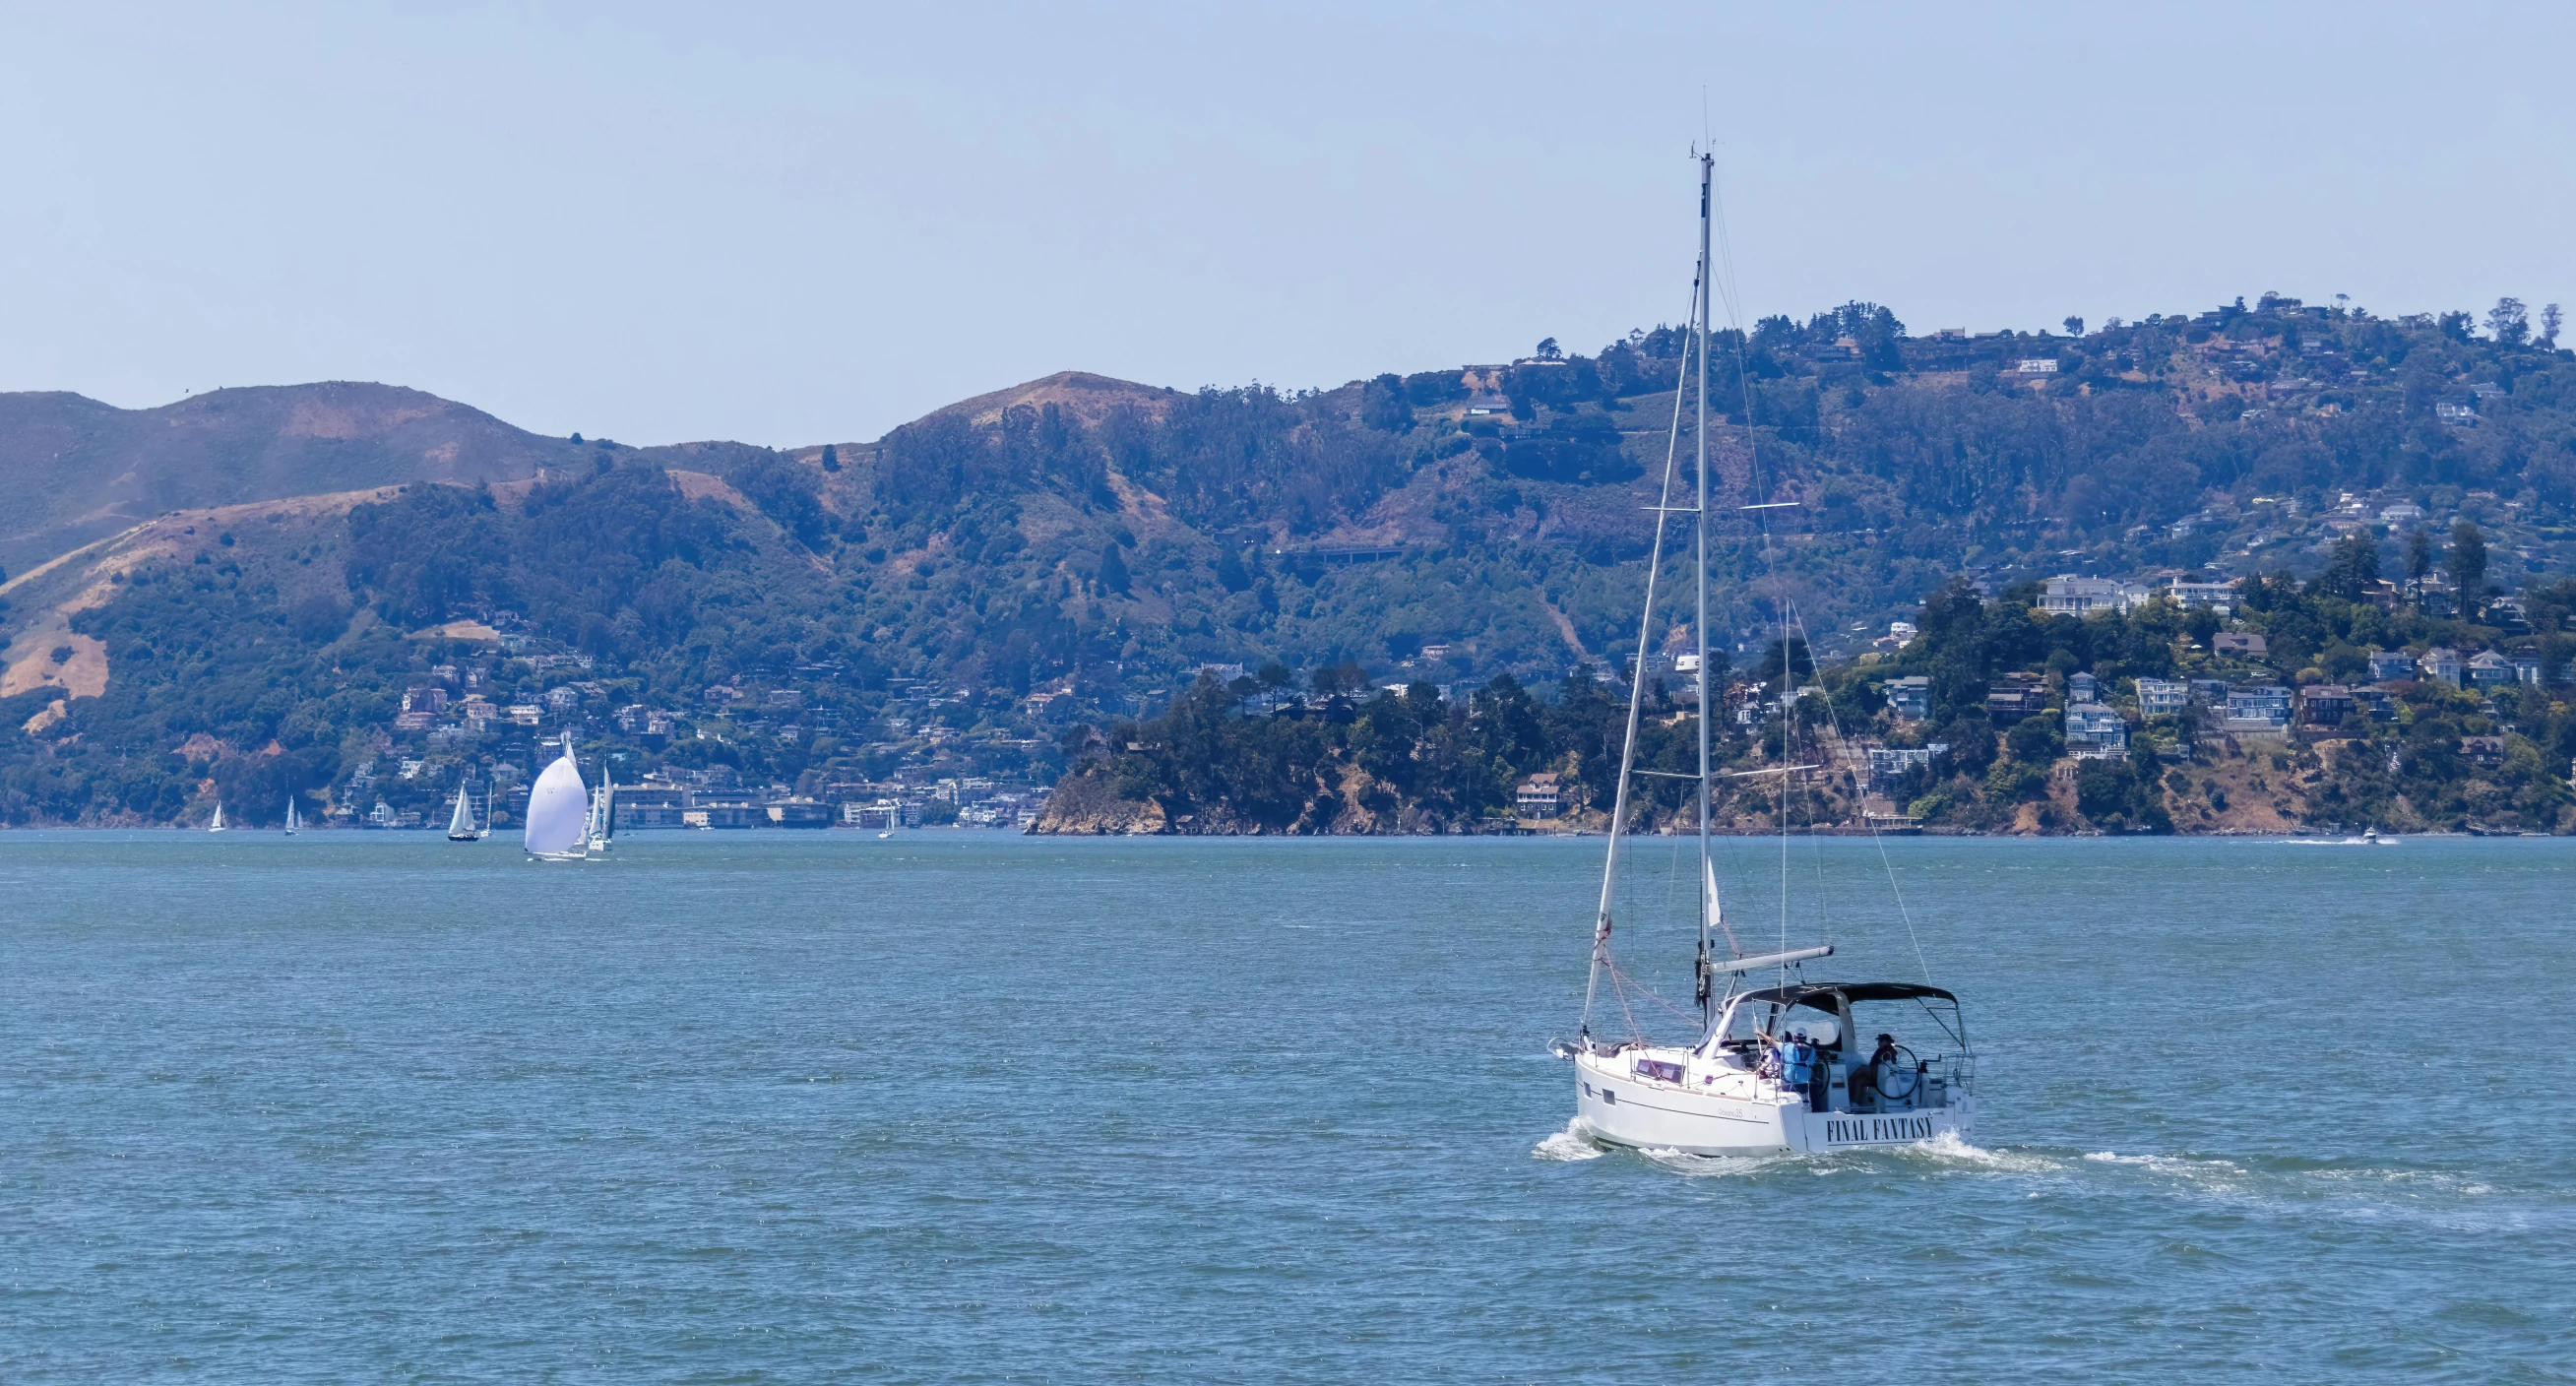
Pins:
<point x="1821" y="994"/>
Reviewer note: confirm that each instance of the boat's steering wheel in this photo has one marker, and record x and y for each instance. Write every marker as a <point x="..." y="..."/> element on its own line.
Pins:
<point x="1911" y="1068"/>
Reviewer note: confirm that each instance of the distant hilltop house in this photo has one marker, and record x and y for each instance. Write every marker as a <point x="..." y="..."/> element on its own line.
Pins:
<point x="2325" y="704"/>
<point x="2403" y="513"/>
<point x="2219" y="596"/>
<point x="2163" y="697"/>
<point x="2457" y="415"/>
<point x="2260" y="709"/>
<point x="2241" y="644"/>
<point x="1888" y="764"/>
<point x="2444" y="665"/>
<point x="2391" y="666"/>
<point x="2016" y="697"/>
<point x="1539" y="795"/>
<point x="2095" y="732"/>
<point x="2036" y="365"/>
<point x="1910" y="698"/>
<point x="2069" y="595"/>
<point x="2487" y="669"/>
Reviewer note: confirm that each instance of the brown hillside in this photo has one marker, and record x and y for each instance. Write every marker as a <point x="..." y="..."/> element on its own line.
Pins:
<point x="77" y="470"/>
<point x="1087" y="396"/>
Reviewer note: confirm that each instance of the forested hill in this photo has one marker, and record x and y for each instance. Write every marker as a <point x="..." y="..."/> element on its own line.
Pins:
<point x="78" y="470"/>
<point x="269" y="572"/>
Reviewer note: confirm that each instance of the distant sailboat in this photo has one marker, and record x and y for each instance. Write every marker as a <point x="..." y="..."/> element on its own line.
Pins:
<point x="603" y="809"/>
<point x="460" y="824"/>
<point x="558" y="812"/>
<point x="218" y="825"/>
<point x="294" y="821"/>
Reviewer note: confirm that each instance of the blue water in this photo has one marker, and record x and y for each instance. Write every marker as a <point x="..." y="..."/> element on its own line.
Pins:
<point x="965" y="1107"/>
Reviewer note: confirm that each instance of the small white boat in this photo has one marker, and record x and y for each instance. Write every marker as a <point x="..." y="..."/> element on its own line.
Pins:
<point x="558" y="812"/>
<point x="218" y="825"/>
<point x="600" y="826"/>
<point x="294" y="820"/>
<point x="1795" y="1067"/>
<point x="460" y="823"/>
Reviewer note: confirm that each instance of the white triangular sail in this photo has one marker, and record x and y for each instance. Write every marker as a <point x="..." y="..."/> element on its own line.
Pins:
<point x="558" y="810"/>
<point x="460" y="824"/>
<point x="293" y="821"/>
<point x="218" y="825"/>
<point x="602" y="810"/>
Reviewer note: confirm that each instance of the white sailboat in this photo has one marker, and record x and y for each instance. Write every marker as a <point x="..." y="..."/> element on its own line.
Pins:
<point x="217" y="825"/>
<point x="294" y="820"/>
<point x="1781" y="1068"/>
<point x="597" y="832"/>
<point x="558" y="812"/>
<point x="460" y="823"/>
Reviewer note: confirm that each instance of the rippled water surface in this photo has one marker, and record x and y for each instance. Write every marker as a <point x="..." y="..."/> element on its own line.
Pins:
<point x="963" y="1107"/>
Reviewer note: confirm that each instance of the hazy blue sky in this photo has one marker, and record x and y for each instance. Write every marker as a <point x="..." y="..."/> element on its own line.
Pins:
<point x="793" y="223"/>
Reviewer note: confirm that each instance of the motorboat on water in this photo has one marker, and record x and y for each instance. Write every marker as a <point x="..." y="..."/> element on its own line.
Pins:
<point x="1794" y="1066"/>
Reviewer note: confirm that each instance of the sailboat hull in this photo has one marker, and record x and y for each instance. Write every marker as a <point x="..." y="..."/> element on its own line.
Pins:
<point x="1620" y="1108"/>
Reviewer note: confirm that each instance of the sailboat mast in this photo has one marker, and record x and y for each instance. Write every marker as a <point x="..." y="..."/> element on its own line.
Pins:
<point x="1664" y="509"/>
<point x="1699" y="626"/>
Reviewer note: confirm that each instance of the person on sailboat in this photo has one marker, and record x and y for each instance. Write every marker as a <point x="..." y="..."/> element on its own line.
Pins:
<point x="1865" y="1078"/>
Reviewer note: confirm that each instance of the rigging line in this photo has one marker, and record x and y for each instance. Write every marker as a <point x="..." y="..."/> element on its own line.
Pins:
<point x="1730" y="291"/>
<point x="1879" y="840"/>
<point x="1634" y="987"/>
<point x="1815" y="843"/>
<point x="1637" y="681"/>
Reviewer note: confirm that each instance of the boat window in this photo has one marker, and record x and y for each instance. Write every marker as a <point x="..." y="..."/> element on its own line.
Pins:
<point x="1918" y="1030"/>
<point x="1750" y="1022"/>
<point x="1661" y="1069"/>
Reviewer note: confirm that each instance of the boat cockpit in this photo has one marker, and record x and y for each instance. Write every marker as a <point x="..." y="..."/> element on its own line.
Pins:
<point x="1848" y="1046"/>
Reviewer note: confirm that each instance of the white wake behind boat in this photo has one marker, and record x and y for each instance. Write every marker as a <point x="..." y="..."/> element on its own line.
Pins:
<point x="558" y="812"/>
<point x="1793" y="1067"/>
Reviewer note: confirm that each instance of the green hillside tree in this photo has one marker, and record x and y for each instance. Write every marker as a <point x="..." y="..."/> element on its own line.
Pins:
<point x="2468" y="565"/>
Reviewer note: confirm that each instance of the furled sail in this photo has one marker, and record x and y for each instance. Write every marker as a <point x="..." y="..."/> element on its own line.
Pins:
<point x="558" y="809"/>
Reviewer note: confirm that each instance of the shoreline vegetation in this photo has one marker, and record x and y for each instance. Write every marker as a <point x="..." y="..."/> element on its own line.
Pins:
<point x="1963" y="729"/>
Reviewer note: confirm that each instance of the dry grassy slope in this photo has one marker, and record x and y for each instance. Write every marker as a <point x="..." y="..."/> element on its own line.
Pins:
<point x="1086" y="396"/>
<point x="295" y="543"/>
<point x="78" y="471"/>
